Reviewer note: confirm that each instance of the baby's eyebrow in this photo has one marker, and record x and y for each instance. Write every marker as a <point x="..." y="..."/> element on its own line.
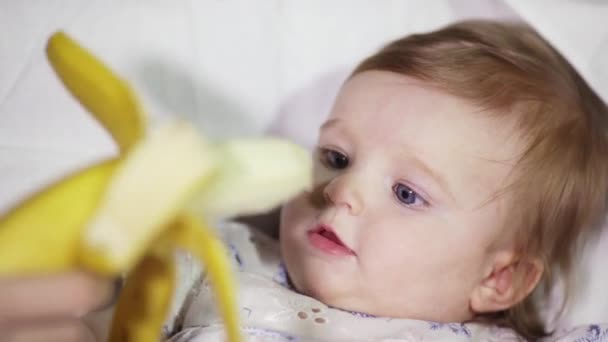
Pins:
<point x="329" y="124"/>
<point x="435" y="176"/>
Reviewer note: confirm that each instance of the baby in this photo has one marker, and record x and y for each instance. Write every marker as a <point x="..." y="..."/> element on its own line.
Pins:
<point x="456" y="172"/>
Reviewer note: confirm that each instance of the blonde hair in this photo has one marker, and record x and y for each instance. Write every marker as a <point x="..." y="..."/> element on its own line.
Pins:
<point x="562" y="175"/>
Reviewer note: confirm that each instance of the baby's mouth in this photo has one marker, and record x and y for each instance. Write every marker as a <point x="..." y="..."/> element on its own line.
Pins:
<point x="324" y="238"/>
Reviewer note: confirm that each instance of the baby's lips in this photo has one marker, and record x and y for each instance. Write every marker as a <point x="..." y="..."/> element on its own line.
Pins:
<point x="330" y="233"/>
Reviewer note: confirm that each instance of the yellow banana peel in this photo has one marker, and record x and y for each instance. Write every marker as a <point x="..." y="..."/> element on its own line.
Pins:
<point x="129" y="214"/>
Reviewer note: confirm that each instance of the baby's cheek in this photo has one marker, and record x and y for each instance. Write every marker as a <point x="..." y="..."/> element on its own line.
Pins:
<point x="291" y="213"/>
<point x="405" y="248"/>
<point x="294" y="217"/>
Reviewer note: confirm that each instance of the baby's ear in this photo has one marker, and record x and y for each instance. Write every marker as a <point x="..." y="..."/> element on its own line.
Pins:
<point x="507" y="282"/>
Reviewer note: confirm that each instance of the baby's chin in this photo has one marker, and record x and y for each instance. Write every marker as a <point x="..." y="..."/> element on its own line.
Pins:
<point x="353" y="301"/>
<point x="340" y="301"/>
<point x="330" y="290"/>
<point x="343" y="294"/>
<point x="340" y="291"/>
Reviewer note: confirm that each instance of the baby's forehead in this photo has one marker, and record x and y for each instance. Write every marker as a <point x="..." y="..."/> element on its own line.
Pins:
<point x="371" y="92"/>
<point x="377" y="88"/>
<point x="398" y="106"/>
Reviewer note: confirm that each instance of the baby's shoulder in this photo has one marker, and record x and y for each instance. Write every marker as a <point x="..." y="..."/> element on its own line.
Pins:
<point x="250" y="249"/>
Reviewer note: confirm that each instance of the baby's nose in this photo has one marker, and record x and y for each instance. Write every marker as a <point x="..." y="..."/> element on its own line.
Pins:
<point x="343" y="190"/>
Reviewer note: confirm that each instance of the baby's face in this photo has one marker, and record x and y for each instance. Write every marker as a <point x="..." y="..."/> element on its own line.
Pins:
<point x="402" y="221"/>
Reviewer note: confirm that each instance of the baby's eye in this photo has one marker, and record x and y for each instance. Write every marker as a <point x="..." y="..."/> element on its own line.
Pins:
<point x="407" y="196"/>
<point x="334" y="159"/>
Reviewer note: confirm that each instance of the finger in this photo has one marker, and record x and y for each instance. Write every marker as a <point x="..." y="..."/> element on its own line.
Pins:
<point x="72" y="295"/>
<point x="113" y="298"/>
<point x="71" y="330"/>
<point x="100" y="322"/>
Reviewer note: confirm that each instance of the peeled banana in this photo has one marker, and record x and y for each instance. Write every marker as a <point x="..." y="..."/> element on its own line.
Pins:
<point x="130" y="213"/>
